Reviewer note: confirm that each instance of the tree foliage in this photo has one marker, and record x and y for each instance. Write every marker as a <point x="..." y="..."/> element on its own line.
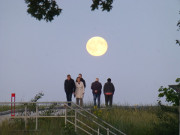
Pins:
<point x="170" y="94"/>
<point x="37" y="97"/>
<point x="48" y="9"/>
<point x="178" y="42"/>
<point x="167" y="120"/>
<point x="178" y="25"/>
<point x="32" y="106"/>
<point x="104" y="4"/>
<point x="43" y="9"/>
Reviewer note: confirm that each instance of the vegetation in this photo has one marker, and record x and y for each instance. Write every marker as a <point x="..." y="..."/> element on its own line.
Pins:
<point x="137" y="120"/>
<point x="5" y="108"/>
<point x="105" y="5"/>
<point x="170" y="94"/>
<point x="166" y="114"/>
<point x="178" y="25"/>
<point x="142" y="120"/>
<point x="32" y="107"/>
<point x="46" y="126"/>
<point x="48" y="9"/>
<point x="43" y="9"/>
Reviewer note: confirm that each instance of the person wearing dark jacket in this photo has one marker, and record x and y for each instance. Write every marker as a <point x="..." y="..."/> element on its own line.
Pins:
<point x="69" y="87"/>
<point x="96" y="90"/>
<point x="108" y="92"/>
<point x="82" y="80"/>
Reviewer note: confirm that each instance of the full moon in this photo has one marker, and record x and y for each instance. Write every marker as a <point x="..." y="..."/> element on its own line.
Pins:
<point x="96" y="46"/>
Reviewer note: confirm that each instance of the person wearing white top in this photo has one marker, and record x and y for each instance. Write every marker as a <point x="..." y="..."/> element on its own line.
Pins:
<point x="79" y="92"/>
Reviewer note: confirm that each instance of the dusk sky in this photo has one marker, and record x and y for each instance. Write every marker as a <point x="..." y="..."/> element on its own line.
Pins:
<point x="142" y="55"/>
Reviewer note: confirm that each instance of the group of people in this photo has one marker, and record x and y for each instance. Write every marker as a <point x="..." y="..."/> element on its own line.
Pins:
<point x="77" y="88"/>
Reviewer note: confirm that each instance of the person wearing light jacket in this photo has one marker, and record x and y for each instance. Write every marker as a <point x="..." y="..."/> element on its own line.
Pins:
<point x="79" y="92"/>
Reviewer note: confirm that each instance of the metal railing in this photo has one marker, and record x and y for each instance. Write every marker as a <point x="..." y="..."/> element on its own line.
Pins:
<point x="81" y="118"/>
<point x="95" y="120"/>
<point x="26" y="110"/>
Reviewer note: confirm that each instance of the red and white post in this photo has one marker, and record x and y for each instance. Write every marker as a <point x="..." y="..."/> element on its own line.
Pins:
<point x="12" y="104"/>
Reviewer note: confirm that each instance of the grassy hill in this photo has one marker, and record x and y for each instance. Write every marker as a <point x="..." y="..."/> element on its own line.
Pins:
<point x="139" y="120"/>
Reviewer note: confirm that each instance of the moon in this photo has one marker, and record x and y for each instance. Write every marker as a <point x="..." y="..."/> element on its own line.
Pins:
<point x="97" y="46"/>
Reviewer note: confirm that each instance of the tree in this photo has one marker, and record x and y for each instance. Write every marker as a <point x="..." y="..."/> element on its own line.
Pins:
<point x="168" y="115"/>
<point x="48" y="9"/>
<point x="106" y="5"/>
<point x="32" y="106"/>
<point x="178" y="25"/>
<point x="170" y="94"/>
<point x="43" y="9"/>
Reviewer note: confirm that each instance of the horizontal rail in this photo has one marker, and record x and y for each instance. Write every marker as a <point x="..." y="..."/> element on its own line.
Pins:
<point x="34" y="102"/>
<point x="38" y="117"/>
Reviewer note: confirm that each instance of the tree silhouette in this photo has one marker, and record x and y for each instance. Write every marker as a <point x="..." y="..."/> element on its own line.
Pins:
<point x="178" y="25"/>
<point x="106" y="5"/>
<point x="48" y="9"/>
<point x="43" y="9"/>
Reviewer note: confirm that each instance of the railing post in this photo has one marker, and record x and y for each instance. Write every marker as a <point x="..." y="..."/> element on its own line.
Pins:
<point x="25" y="119"/>
<point x="37" y="117"/>
<point x="98" y="131"/>
<point x="75" y="120"/>
<point x="65" y="115"/>
<point x="107" y="131"/>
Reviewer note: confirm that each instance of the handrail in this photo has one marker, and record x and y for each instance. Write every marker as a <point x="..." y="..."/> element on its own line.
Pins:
<point x="79" y="127"/>
<point x="96" y="123"/>
<point x="99" y="119"/>
<point x="88" y="126"/>
<point x="91" y="119"/>
<point x="96" y="118"/>
<point x="34" y="102"/>
<point x="85" y="117"/>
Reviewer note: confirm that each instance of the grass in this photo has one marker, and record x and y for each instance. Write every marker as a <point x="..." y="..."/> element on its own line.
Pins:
<point x="48" y="126"/>
<point x="5" y="108"/>
<point x="132" y="121"/>
<point x="144" y="120"/>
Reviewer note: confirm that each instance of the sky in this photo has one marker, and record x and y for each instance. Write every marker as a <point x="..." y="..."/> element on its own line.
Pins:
<point x="36" y="56"/>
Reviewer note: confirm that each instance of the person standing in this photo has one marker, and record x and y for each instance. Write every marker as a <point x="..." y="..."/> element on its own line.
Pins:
<point x="108" y="92"/>
<point x="96" y="90"/>
<point x="69" y="87"/>
<point x="79" y="92"/>
<point x="82" y="80"/>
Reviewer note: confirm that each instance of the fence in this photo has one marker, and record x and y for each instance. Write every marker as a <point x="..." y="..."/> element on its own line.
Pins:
<point x="81" y="118"/>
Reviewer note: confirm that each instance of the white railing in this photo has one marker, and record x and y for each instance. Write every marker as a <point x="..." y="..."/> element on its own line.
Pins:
<point x="73" y="114"/>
